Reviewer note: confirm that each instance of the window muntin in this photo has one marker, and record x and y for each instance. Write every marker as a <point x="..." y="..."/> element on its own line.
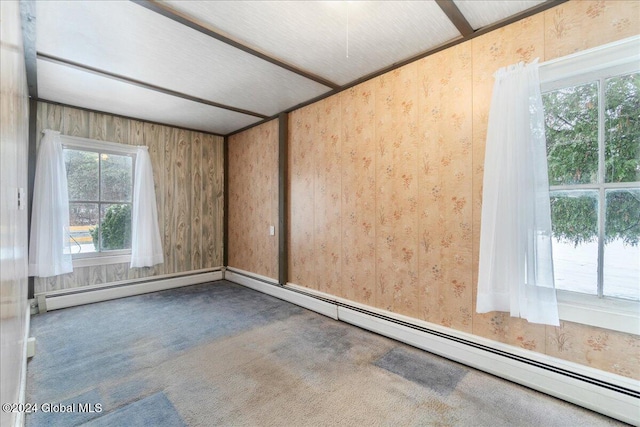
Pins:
<point x="100" y="200"/>
<point x="593" y="146"/>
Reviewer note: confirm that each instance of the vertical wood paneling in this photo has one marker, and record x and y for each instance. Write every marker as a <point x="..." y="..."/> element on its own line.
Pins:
<point x="48" y="117"/>
<point x="271" y="215"/>
<point x="302" y="125"/>
<point x="212" y="200"/>
<point x="218" y="208"/>
<point x="154" y="138"/>
<point x="76" y="122"/>
<point x="196" y="201"/>
<point x="97" y="275"/>
<point x="358" y="192"/>
<point x="116" y="272"/>
<point x="445" y="208"/>
<point x="182" y="197"/>
<point x="327" y="179"/>
<point x="98" y="126"/>
<point x="117" y="129"/>
<point x="208" y="197"/>
<point x="181" y="166"/>
<point x="169" y="199"/>
<point x="253" y="199"/>
<point x="397" y="191"/>
<point x="429" y="254"/>
<point x="136" y="137"/>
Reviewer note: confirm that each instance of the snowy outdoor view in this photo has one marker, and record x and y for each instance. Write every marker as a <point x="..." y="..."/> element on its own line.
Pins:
<point x="576" y="268"/>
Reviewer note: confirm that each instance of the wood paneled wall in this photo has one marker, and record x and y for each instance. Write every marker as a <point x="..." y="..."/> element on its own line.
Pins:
<point x="253" y="200"/>
<point x="189" y="181"/>
<point x="386" y="185"/>
<point x="14" y="143"/>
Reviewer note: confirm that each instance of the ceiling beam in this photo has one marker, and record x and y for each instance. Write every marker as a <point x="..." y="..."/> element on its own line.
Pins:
<point x="28" y="18"/>
<point x="548" y="4"/>
<point x="151" y="122"/>
<point x="456" y="17"/>
<point x="67" y="63"/>
<point x="202" y="28"/>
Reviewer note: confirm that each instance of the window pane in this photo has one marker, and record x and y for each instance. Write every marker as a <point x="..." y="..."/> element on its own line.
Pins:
<point x="574" y="216"/>
<point x="83" y="221"/>
<point x="116" y="184"/>
<point x="622" y="247"/>
<point x="116" y="226"/>
<point x="571" y="118"/>
<point x="82" y="174"/>
<point x="622" y="128"/>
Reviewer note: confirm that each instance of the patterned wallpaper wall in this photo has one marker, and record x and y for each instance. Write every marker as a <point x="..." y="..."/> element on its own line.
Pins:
<point x="189" y="178"/>
<point x="386" y="185"/>
<point x="253" y="200"/>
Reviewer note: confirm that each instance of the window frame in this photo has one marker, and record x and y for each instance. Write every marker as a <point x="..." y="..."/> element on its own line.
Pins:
<point x="102" y="147"/>
<point x="597" y="64"/>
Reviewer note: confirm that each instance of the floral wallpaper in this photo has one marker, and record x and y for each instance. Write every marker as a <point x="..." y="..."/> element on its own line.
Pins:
<point x="253" y="200"/>
<point x="386" y="185"/>
<point x="358" y="175"/>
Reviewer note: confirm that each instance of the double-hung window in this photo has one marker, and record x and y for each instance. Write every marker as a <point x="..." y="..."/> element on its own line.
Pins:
<point x="592" y="115"/>
<point x="100" y="182"/>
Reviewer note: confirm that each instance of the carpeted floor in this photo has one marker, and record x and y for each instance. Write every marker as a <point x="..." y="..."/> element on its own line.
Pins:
<point x="221" y="354"/>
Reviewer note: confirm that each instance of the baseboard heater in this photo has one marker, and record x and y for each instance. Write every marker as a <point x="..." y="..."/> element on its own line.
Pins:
<point x="55" y="300"/>
<point x="609" y="394"/>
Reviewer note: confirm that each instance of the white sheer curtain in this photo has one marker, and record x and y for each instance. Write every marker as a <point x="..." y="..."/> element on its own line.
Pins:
<point x="146" y="246"/>
<point x="49" y="248"/>
<point x="516" y="269"/>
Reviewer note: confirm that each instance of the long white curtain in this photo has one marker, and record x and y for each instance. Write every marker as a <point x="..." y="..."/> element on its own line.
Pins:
<point x="49" y="248"/>
<point x="516" y="270"/>
<point x="146" y="246"/>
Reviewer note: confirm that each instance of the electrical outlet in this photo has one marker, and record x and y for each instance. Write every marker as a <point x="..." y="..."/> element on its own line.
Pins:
<point x="22" y="200"/>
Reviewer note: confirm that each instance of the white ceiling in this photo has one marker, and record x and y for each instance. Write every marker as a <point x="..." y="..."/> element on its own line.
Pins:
<point x="165" y="66"/>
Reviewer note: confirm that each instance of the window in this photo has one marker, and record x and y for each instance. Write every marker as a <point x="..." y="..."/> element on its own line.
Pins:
<point x="593" y="147"/>
<point x="100" y="181"/>
<point x="592" y="105"/>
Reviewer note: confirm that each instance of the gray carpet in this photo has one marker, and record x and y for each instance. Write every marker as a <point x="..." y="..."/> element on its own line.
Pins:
<point x="222" y="354"/>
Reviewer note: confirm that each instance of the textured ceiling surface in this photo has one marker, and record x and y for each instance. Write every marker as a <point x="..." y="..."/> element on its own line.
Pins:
<point x="219" y="66"/>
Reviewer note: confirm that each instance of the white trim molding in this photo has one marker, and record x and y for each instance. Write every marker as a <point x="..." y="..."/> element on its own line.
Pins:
<point x="19" y="420"/>
<point x="271" y="287"/>
<point x="609" y="313"/>
<point x="234" y="270"/>
<point x="619" y="57"/>
<point x="76" y="142"/>
<point x="603" y="392"/>
<point x="55" y="300"/>
<point x="589" y="65"/>
<point x="101" y="260"/>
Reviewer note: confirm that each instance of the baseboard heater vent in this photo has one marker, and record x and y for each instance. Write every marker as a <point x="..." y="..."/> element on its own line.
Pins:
<point x="614" y="387"/>
<point x="95" y="293"/>
<point x="603" y="392"/>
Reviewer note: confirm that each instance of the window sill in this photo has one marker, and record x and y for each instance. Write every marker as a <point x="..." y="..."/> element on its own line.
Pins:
<point x="101" y="260"/>
<point x="608" y="313"/>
